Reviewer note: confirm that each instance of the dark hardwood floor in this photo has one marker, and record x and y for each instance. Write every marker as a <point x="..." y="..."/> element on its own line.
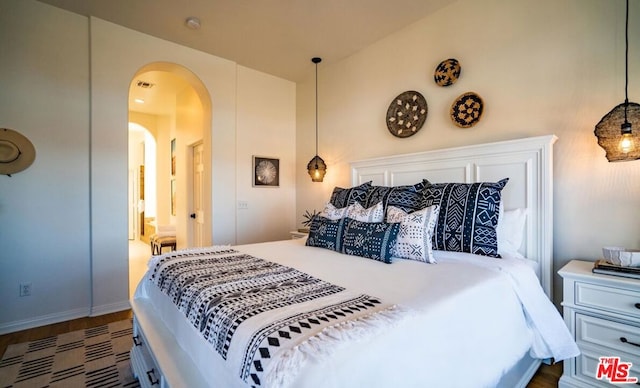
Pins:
<point x="546" y="377"/>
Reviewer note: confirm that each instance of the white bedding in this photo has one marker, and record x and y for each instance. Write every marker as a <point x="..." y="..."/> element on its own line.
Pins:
<point x="467" y="318"/>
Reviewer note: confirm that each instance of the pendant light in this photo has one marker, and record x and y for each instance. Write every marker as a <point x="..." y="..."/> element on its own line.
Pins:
<point x="615" y="130"/>
<point x="316" y="166"/>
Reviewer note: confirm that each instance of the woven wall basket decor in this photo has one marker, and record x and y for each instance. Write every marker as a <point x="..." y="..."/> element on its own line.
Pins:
<point x="17" y="152"/>
<point x="407" y="114"/>
<point x="447" y="72"/>
<point x="608" y="132"/>
<point x="467" y="110"/>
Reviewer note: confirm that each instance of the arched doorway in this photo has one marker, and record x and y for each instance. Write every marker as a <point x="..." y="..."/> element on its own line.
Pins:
<point x="173" y="105"/>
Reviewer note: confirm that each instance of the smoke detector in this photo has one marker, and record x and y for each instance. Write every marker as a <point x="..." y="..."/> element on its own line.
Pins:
<point x="192" y="22"/>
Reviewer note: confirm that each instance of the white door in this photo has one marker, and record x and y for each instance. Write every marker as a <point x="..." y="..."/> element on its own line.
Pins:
<point x="197" y="213"/>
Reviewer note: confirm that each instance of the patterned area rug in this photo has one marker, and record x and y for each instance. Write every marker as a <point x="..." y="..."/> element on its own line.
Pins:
<point x="96" y="357"/>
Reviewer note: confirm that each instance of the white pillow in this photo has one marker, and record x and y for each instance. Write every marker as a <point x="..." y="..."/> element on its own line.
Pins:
<point x="355" y="211"/>
<point x="510" y="231"/>
<point x="415" y="233"/>
<point x="333" y="213"/>
<point x="373" y="214"/>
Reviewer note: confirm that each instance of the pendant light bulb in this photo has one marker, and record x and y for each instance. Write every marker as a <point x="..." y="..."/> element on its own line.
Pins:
<point x="626" y="144"/>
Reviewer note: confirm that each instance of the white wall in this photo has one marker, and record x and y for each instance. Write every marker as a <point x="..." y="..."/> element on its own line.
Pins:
<point x="44" y="210"/>
<point x="117" y="54"/>
<point x="542" y="67"/>
<point x="265" y="131"/>
<point x="64" y="220"/>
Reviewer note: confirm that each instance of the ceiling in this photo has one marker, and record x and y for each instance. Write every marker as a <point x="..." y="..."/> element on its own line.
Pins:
<point x="154" y="92"/>
<point x="277" y="37"/>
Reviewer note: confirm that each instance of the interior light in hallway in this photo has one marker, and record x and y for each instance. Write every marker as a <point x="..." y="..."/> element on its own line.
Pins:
<point x="614" y="131"/>
<point x="316" y="166"/>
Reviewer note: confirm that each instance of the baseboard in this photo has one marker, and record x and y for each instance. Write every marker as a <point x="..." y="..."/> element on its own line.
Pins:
<point x="43" y="320"/>
<point x="11" y="327"/>
<point x="521" y="373"/>
<point x="110" y="308"/>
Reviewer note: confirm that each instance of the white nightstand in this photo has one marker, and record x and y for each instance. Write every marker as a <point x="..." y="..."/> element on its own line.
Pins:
<point x="603" y="314"/>
<point x="295" y="234"/>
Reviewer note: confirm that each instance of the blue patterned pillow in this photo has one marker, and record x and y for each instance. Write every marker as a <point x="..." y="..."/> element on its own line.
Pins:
<point x="326" y="233"/>
<point x="468" y="216"/>
<point x="408" y="198"/>
<point x="344" y="197"/>
<point x="374" y="240"/>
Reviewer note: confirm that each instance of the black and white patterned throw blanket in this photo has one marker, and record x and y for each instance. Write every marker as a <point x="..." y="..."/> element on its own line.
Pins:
<point x="263" y="318"/>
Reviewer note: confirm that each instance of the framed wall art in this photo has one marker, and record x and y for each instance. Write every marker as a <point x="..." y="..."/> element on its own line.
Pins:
<point x="266" y="172"/>
<point x="173" y="197"/>
<point x="173" y="157"/>
<point x="173" y="177"/>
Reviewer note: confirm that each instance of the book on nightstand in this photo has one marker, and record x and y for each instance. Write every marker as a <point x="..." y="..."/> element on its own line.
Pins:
<point x="606" y="268"/>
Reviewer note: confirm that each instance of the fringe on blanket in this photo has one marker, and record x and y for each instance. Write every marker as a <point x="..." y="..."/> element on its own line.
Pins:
<point x="323" y="345"/>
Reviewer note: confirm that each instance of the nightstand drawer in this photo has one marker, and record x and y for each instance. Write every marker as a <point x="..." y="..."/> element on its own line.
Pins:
<point x="602" y="333"/>
<point x="587" y="367"/>
<point x="615" y="300"/>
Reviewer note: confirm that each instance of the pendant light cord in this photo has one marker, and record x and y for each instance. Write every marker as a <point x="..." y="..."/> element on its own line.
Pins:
<point x="317" y="105"/>
<point x="626" y="64"/>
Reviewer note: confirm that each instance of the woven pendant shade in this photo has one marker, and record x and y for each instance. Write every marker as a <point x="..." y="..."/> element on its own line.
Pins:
<point x="618" y="130"/>
<point x="316" y="169"/>
<point x="608" y="132"/>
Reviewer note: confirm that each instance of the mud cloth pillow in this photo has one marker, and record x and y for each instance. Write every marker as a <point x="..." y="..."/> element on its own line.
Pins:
<point x="355" y="211"/>
<point x="415" y="232"/>
<point x="326" y="233"/>
<point x="468" y="216"/>
<point x="344" y="197"/>
<point x="333" y="213"/>
<point x="408" y="197"/>
<point x="372" y="214"/>
<point x="373" y="240"/>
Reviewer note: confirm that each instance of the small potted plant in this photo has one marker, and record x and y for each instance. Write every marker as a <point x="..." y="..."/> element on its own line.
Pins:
<point x="308" y="218"/>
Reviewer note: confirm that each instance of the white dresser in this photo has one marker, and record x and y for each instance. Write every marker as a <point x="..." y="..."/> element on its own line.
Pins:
<point x="603" y="314"/>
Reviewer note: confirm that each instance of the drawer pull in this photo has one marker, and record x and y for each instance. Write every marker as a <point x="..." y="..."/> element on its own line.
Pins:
<point x="637" y="306"/>
<point x="626" y="341"/>
<point x="151" y="376"/>
<point x="136" y="340"/>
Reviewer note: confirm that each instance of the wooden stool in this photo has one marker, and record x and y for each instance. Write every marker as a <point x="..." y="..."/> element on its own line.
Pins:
<point x="157" y="243"/>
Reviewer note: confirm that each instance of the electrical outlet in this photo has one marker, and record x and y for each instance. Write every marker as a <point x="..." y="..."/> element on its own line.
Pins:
<point x="25" y="289"/>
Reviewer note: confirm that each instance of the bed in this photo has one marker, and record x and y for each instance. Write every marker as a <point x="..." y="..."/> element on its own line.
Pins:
<point x="467" y="320"/>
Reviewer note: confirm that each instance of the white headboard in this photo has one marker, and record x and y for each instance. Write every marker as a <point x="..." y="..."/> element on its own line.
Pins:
<point x="528" y="163"/>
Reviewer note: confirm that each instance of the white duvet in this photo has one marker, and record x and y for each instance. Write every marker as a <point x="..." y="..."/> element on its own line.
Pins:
<point x="473" y="319"/>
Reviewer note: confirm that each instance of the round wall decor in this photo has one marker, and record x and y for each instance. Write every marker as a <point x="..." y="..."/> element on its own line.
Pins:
<point x="16" y="152"/>
<point x="447" y="72"/>
<point x="467" y="109"/>
<point x="407" y="114"/>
